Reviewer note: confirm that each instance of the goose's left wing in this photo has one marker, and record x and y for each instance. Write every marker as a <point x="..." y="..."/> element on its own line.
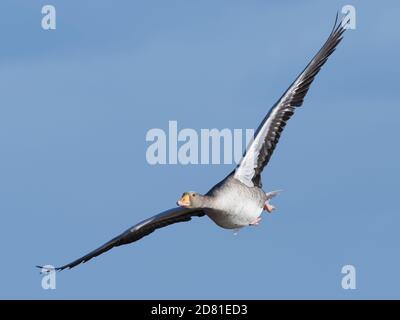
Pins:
<point x="138" y="231"/>
<point x="267" y="135"/>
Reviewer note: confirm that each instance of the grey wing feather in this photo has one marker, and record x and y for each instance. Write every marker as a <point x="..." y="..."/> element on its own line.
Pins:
<point x="268" y="133"/>
<point x="138" y="231"/>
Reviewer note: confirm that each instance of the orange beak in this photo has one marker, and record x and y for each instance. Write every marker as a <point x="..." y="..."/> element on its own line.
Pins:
<point x="184" y="201"/>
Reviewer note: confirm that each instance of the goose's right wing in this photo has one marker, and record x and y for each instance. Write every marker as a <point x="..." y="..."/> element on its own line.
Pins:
<point x="138" y="231"/>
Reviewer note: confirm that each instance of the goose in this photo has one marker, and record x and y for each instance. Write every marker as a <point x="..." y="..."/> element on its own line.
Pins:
<point x="238" y="200"/>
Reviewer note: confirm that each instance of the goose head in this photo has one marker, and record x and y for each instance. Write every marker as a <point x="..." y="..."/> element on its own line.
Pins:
<point x="191" y="200"/>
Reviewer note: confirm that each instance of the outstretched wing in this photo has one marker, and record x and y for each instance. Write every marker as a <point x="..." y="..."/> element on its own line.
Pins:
<point x="267" y="135"/>
<point x="138" y="231"/>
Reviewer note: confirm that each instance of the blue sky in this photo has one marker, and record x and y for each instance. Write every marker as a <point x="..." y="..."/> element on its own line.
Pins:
<point x="76" y="103"/>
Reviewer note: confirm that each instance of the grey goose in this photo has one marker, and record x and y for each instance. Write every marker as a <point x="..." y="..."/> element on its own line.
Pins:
<point x="238" y="200"/>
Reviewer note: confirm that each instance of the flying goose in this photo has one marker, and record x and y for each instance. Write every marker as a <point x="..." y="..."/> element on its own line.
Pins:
<point x="238" y="200"/>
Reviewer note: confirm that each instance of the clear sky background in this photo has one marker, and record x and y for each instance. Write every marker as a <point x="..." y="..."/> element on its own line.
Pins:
<point x="75" y="106"/>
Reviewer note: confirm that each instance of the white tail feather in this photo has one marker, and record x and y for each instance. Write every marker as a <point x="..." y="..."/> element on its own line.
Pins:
<point x="272" y="194"/>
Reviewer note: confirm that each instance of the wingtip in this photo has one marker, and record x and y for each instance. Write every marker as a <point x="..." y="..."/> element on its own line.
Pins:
<point x="45" y="269"/>
<point x="338" y="24"/>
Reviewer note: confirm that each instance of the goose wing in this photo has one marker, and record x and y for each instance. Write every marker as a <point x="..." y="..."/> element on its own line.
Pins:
<point x="138" y="231"/>
<point x="267" y="135"/>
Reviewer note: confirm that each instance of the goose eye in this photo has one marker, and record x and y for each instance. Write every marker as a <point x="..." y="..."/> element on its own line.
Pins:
<point x="193" y="195"/>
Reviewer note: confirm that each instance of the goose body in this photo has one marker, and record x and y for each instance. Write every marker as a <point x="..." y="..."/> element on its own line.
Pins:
<point x="238" y="200"/>
<point x="234" y="205"/>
